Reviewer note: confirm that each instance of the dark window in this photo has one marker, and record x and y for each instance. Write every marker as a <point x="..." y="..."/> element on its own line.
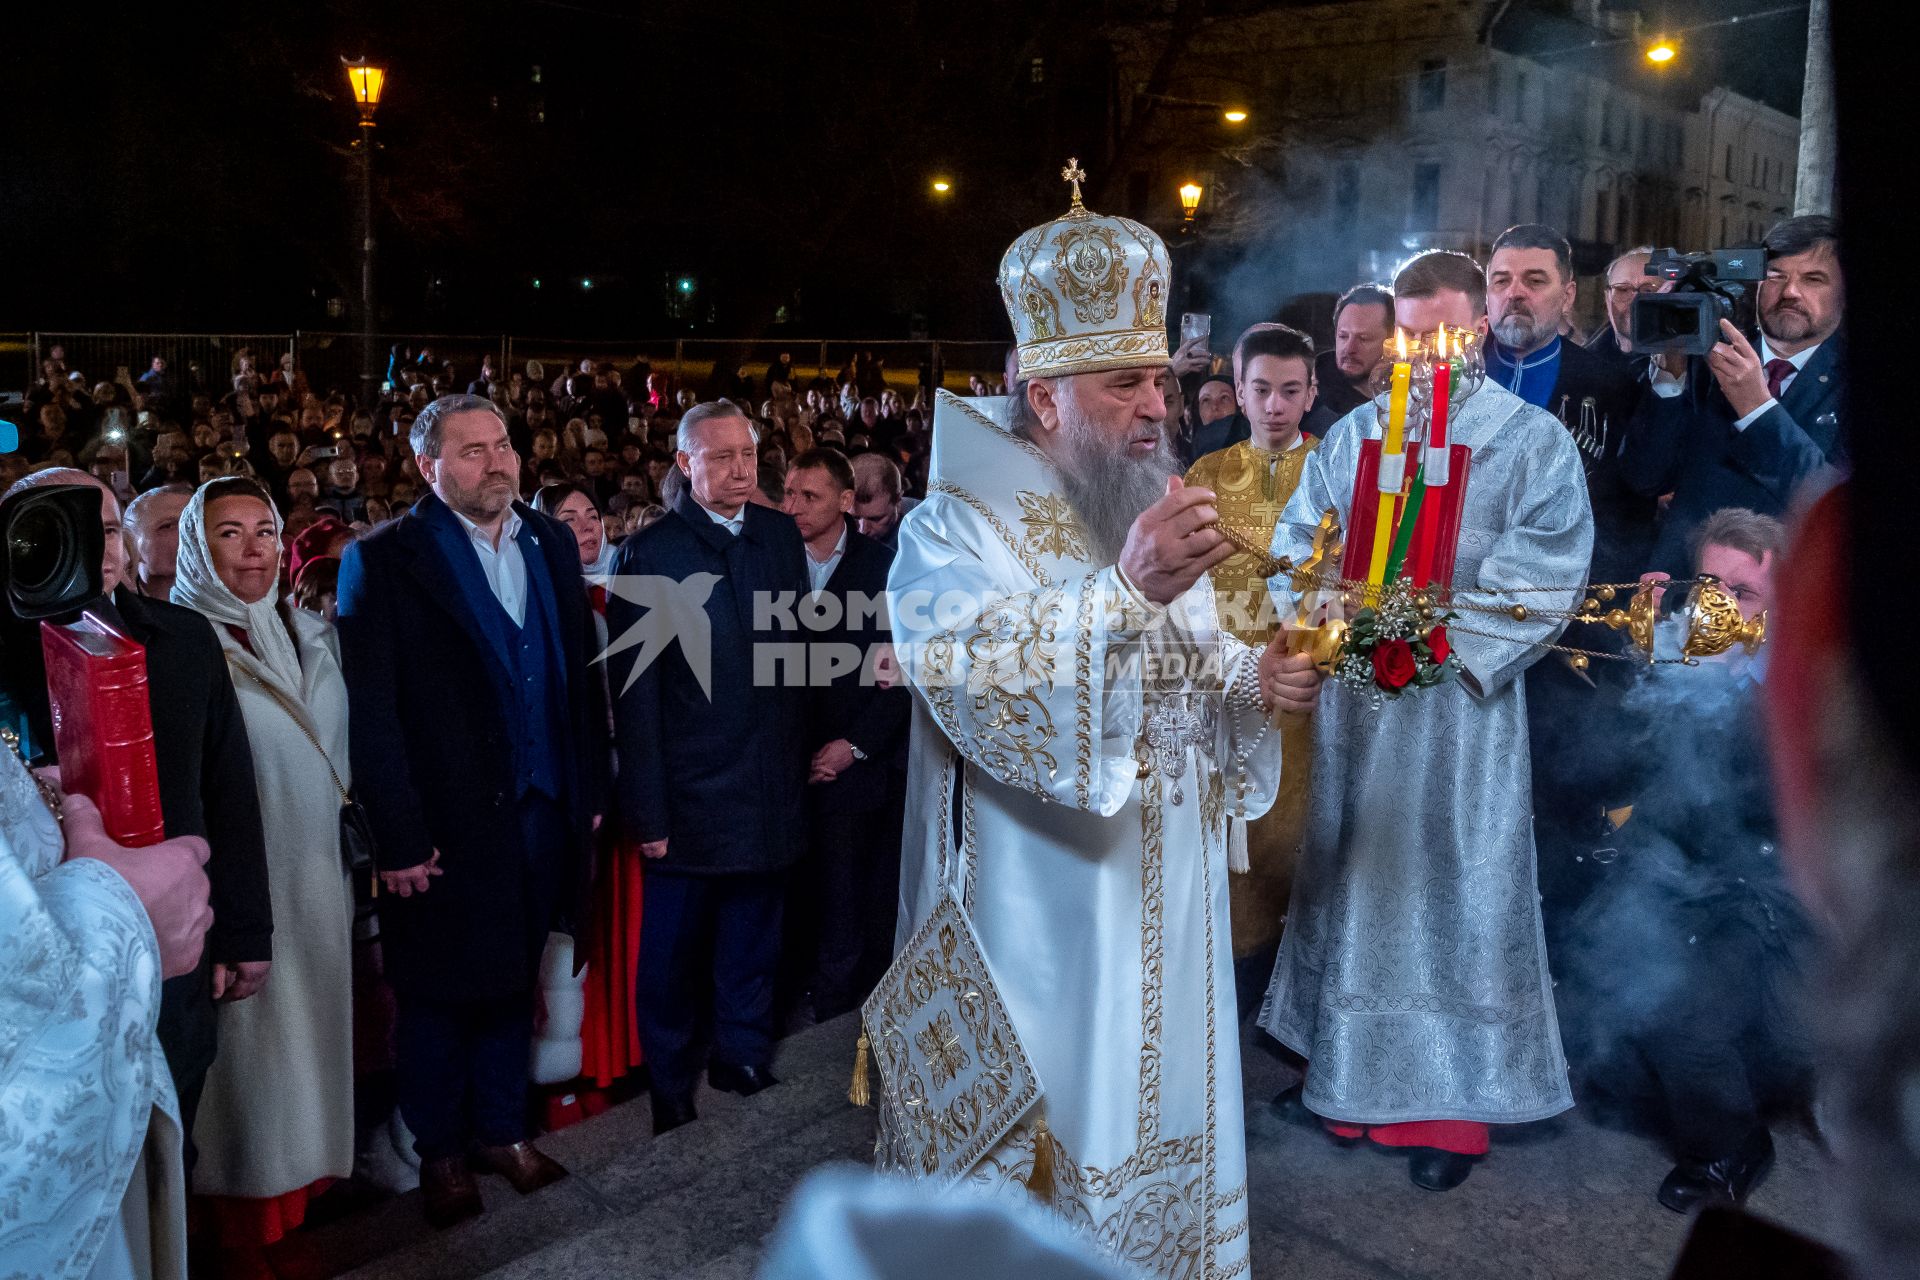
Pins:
<point x="1425" y="213"/>
<point x="1729" y="162"/>
<point x="1346" y="192"/>
<point x="1623" y="223"/>
<point x="1603" y="217"/>
<point x="1037" y="71"/>
<point x="1520" y="97"/>
<point x="1431" y="94"/>
<point x="1493" y="90"/>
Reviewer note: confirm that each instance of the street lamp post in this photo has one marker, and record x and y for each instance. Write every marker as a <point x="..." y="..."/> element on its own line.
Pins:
<point x="1190" y="194"/>
<point x="368" y="80"/>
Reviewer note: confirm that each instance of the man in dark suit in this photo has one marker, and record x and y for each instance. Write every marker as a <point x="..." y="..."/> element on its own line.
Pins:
<point x="1748" y="424"/>
<point x="205" y="770"/>
<point x="1530" y="291"/>
<point x="1625" y="279"/>
<point x="857" y="720"/>
<point x="713" y="761"/>
<point x="1343" y="373"/>
<point x="479" y="749"/>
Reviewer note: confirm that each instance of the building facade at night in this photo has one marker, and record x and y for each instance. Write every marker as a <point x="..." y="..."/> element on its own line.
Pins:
<point x="1375" y="130"/>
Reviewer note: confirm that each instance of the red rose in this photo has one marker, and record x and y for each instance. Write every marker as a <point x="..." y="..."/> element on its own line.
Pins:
<point x="1437" y="644"/>
<point x="1393" y="664"/>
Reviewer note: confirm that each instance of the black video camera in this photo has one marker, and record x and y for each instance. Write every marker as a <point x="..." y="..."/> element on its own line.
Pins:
<point x="51" y="547"/>
<point x="1707" y="288"/>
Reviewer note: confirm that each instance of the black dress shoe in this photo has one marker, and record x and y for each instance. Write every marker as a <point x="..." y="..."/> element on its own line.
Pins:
<point x="670" y="1112"/>
<point x="1290" y="1106"/>
<point x="745" y="1081"/>
<point x="1435" y="1170"/>
<point x="1728" y="1180"/>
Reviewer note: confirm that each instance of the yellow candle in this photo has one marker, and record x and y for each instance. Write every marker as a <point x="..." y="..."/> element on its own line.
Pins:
<point x="1393" y="459"/>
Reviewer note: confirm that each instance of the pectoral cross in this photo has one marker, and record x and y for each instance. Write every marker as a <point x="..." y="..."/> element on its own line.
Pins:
<point x="1076" y="175"/>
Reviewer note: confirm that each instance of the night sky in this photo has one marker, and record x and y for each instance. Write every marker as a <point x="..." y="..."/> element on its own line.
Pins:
<point x="168" y="173"/>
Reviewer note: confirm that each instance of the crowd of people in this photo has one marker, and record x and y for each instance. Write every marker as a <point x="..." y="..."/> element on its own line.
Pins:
<point x="333" y="594"/>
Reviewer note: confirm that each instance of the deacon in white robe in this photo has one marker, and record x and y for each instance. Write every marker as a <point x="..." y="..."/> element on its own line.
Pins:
<point x="1413" y="974"/>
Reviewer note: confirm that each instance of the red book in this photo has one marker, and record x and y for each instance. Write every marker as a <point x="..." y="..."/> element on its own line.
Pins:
<point x="103" y="725"/>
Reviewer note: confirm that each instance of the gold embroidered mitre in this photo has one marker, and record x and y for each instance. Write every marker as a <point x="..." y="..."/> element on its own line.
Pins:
<point x="1086" y="292"/>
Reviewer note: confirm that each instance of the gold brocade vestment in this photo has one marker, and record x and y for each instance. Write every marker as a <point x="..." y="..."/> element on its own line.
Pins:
<point x="1251" y="486"/>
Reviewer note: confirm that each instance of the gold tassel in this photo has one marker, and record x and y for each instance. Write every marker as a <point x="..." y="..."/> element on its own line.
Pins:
<point x="858" y="1093"/>
<point x="1040" y="1181"/>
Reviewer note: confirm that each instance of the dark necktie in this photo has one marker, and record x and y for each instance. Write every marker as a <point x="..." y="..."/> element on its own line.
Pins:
<point x="1778" y="371"/>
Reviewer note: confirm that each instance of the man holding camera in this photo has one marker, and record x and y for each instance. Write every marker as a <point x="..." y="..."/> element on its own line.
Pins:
<point x="1748" y="424"/>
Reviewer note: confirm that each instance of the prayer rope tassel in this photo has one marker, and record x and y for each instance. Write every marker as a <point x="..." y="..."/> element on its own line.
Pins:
<point x="858" y="1093"/>
<point x="1040" y="1181"/>
<point x="1237" y="860"/>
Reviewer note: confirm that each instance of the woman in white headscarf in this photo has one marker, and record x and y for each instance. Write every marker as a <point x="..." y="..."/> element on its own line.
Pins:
<point x="276" y="1121"/>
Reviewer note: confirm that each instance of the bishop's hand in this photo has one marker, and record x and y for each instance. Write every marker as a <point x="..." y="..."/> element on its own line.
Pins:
<point x="1288" y="681"/>
<point x="1172" y="543"/>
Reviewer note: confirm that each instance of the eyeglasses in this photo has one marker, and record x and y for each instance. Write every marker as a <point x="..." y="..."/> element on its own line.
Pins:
<point x="1628" y="290"/>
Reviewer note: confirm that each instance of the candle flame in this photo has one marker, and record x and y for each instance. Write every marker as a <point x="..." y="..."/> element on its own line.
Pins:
<point x="1400" y="341"/>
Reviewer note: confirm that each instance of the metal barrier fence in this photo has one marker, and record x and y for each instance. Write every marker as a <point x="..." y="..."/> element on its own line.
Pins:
<point x="209" y="360"/>
<point x="331" y="360"/>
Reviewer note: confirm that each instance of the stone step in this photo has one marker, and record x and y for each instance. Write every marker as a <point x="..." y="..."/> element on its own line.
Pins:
<point x="694" y="1202"/>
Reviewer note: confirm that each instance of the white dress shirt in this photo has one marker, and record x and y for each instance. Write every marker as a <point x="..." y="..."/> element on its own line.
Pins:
<point x="504" y="566"/>
<point x="1667" y="385"/>
<point x="733" y="523"/>
<point x="819" y="571"/>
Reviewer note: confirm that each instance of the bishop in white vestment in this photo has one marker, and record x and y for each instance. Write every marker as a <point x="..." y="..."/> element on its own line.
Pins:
<point x="1075" y="805"/>
<point x="1413" y="973"/>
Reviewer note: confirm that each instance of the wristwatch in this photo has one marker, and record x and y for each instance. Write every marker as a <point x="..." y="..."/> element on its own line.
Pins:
<point x="858" y="754"/>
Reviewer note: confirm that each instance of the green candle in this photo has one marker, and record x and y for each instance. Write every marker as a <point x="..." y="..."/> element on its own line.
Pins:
<point x="1403" y="535"/>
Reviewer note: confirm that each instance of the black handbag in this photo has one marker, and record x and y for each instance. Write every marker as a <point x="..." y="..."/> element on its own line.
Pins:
<point x="356" y="829"/>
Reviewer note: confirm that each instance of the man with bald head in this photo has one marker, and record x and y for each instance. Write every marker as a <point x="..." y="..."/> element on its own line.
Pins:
<point x="205" y="767"/>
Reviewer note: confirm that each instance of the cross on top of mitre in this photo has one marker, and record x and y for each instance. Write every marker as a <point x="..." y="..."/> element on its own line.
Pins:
<point x="1076" y="175"/>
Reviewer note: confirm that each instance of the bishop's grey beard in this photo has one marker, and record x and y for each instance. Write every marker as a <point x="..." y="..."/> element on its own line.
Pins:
<point x="1107" y="487"/>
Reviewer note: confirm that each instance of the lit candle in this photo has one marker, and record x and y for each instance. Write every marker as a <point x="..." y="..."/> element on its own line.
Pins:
<point x="1437" y="453"/>
<point x="1393" y="461"/>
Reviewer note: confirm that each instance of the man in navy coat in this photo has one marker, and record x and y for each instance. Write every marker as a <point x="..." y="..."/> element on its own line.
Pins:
<point x="1746" y="425"/>
<point x="707" y="667"/>
<point x="479" y="741"/>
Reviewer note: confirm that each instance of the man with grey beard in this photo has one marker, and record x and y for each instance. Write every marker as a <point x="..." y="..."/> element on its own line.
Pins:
<point x="1083" y="729"/>
<point x="1530" y="292"/>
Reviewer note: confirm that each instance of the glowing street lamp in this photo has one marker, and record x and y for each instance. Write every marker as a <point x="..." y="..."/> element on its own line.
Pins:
<point x="941" y="186"/>
<point x="368" y="80"/>
<point x="1662" y="52"/>
<point x="1190" y="194"/>
<point x="1235" y="115"/>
